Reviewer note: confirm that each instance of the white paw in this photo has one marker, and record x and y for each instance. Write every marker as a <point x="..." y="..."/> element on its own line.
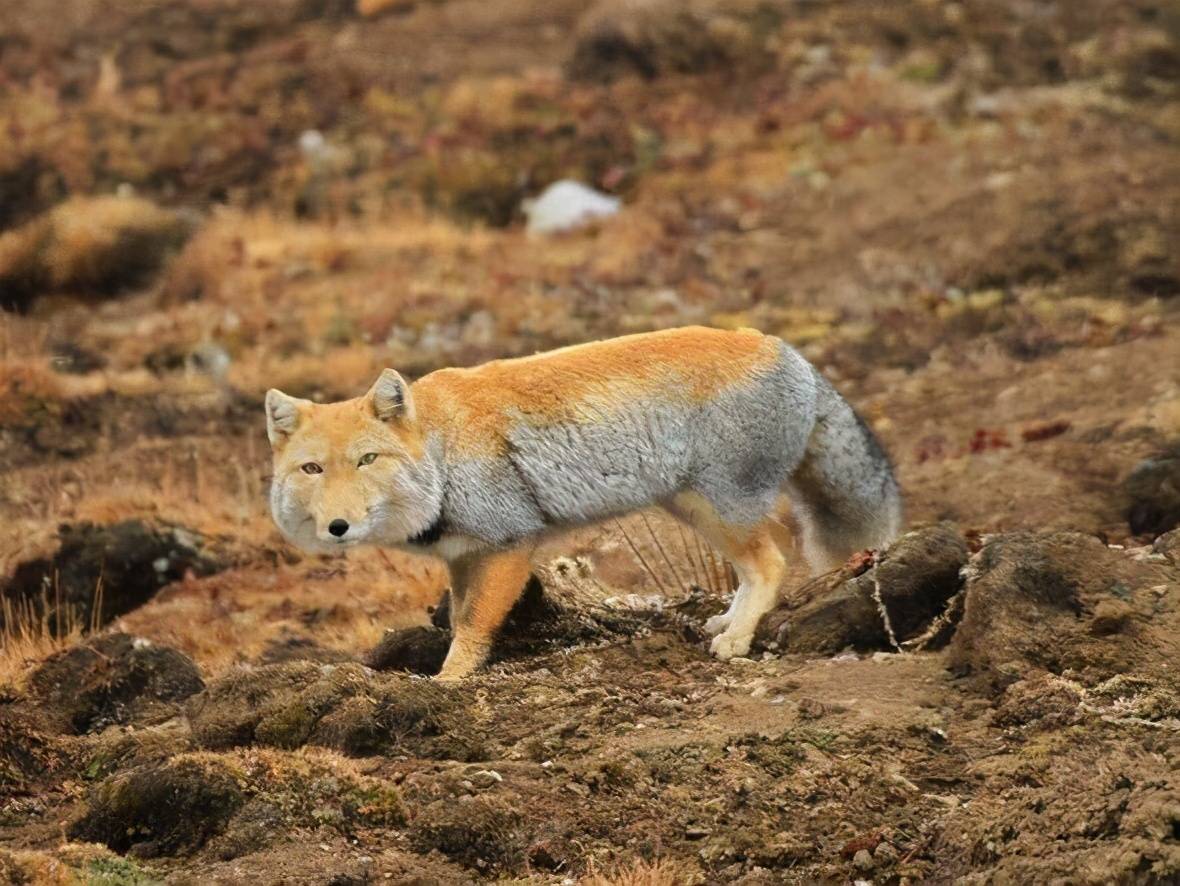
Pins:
<point x="731" y="644"/>
<point x="717" y="624"/>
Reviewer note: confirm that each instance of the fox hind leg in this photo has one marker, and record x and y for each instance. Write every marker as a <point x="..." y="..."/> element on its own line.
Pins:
<point x="758" y="562"/>
<point x="760" y="567"/>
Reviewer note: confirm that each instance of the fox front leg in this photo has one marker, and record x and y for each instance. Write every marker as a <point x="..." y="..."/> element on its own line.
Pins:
<point x="483" y="589"/>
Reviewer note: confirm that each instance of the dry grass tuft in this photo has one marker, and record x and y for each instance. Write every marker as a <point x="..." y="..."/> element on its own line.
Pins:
<point x="27" y="389"/>
<point x="31" y="633"/>
<point x="30" y="866"/>
<point x="701" y="567"/>
<point x="644" y="873"/>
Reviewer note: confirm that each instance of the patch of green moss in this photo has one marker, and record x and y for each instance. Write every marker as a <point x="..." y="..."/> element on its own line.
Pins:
<point x="287" y="727"/>
<point x="116" y="872"/>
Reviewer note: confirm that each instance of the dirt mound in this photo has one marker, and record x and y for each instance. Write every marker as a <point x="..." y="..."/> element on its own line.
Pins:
<point x="112" y="568"/>
<point x="1062" y="602"/>
<point x="164" y="809"/>
<point x="1099" y="813"/>
<point x="418" y="650"/>
<point x="1153" y="488"/>
<point x="115" y="678"/>
<point x="654" y="37"/>
<point x="89" y="245"/>
<point x="28" y="754"/>
<point x="1128" y="254"/>
<point x="238" y="802"/>
<point x="346" y="707"/>
<point x="910" y="586"/>
<point x="485" y="834"/>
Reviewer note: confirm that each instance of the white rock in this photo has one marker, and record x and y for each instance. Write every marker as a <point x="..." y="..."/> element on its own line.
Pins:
<point x="312" y="142"/>
<point x="566" y="205"/>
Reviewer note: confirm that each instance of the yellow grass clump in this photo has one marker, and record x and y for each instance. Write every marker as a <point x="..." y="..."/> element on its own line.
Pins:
<point x="644" y="873"/>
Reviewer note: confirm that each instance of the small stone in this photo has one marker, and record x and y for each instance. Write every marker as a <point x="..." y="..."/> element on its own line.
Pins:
<point x="863" y="860"/>
<point x="811" y="709"/>
<point x="486" y="778"/>
<point x="696" y="832"/>
<point x="885" y="854"/>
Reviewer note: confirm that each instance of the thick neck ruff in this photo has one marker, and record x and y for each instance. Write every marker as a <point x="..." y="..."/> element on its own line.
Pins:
<point x="430" y="534"/>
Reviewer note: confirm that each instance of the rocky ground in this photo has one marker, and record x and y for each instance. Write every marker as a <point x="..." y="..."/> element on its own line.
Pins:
<point x="965" y="214"/>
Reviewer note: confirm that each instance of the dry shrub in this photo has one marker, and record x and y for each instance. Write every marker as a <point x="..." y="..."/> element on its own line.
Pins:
<point x="24" y="866"/>
<point x="94" y="244"/>
<point x="27" y="389"/>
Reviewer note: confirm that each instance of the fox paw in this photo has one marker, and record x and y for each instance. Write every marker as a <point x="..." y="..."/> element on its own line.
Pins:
<point x="731" y="644"/>
<point x="717" y="624"/>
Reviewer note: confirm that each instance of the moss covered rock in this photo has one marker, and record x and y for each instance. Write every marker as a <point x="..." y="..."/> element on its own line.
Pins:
<point x="170" y="808"/>
<point x="114" y="678"/>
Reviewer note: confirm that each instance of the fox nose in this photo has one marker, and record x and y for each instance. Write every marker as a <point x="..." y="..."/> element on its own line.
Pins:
<point x="338" y="527"/>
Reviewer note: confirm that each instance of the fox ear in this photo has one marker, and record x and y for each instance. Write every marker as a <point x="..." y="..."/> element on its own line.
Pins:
<point x="282" y="415"/>
<point x="390" y="397"/>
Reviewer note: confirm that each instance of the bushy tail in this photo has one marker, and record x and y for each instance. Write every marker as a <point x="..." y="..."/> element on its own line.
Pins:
<point x="843" y="492"/>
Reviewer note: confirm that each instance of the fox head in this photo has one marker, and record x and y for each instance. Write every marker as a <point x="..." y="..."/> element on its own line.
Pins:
<point x="354" y="472"/>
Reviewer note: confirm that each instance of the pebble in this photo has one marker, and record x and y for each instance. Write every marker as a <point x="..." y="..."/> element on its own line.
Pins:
<point x="863" y="860"/>
<point x="885" y="854"/>
<point x="486" y="778"/>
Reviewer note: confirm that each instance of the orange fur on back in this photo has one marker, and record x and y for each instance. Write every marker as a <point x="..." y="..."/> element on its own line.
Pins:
<point x="585" y="382"/>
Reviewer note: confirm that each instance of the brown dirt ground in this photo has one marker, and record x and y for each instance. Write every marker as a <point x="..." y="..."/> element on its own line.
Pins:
<point x="967" y="215"/>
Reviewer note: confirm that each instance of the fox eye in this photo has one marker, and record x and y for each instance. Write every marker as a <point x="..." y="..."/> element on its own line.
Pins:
<point x="311" y="468"/>
<point x="367" y="459"/>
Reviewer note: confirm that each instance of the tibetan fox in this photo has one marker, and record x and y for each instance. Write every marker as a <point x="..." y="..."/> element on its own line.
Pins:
<point x="474" y="465"/>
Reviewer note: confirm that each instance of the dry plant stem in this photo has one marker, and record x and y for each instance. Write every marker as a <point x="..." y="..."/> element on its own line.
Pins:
<point x="663" y="553"/>
<point x="715" y="572"/>
<point x="949" y="612"/>
<point x="705" y="576"/>
<point x="696" y="576"/>
<point x="642" y="560"/>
